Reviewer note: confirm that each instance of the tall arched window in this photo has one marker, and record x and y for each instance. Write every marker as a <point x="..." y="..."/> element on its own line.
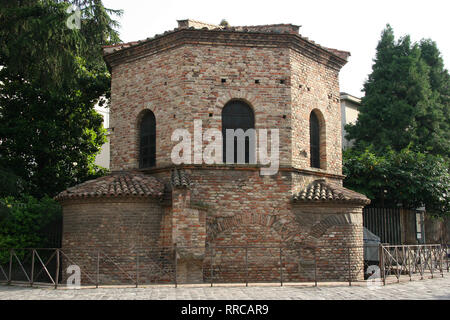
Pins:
<point x="239" y="115"/>
<point x="314" y="142"/>
<point x="147" y="140"/>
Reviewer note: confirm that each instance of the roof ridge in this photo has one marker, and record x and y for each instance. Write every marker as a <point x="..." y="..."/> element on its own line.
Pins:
<point x="124" y="183"/>
<point x="269" y="25"/>
<point x="217" y="28"/>
<point x="320" y="190"/>
<point x="180" y="179"/>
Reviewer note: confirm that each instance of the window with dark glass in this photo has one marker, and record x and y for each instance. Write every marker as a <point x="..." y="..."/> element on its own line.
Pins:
<point x="238" y="115"/>
<point x="147" y="137"/>
<point x="314" y="134"/>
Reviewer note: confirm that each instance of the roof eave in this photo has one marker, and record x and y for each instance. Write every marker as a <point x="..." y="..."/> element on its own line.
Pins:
<point x="128" y="51"/>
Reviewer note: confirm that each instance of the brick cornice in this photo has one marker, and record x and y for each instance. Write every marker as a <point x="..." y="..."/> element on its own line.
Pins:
<point x="226" y="38"/>
<point x="105" y="199"/>
<point x="242" y="167"/>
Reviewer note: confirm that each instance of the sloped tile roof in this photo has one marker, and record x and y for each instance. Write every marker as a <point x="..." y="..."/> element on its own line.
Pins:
<point x="180" y="179"/>
<point x="269" y="28"/>
<point x="118" y="184"/>
<point x="321" y="191"/>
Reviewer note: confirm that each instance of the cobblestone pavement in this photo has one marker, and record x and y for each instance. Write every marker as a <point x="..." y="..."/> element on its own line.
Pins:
<point x="438" y="288"/>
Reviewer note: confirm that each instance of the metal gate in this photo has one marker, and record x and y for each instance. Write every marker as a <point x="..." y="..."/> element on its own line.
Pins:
<point x="385" y="223"/>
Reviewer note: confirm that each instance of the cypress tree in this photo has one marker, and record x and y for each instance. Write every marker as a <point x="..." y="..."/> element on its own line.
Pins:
<point x="401" y="105"/>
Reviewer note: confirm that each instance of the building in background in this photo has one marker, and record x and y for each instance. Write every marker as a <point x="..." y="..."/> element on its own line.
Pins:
<point x="349" y="114"/>
<point x="102" y="158"/>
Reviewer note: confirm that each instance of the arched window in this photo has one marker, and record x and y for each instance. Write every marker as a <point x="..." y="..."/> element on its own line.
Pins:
<point x="239" y="115"/>
<point x="314" y="140"/>
<point x="147" y="140"/>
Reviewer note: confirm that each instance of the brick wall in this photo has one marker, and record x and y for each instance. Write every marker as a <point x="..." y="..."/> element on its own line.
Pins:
<point x="337" y="233"/>
<point x="152" y="83"/>
<point x="315" y="86"/>
<point x="115" y="228"/>
<point x="185" y="84"/>
<point x="196" y="75"/>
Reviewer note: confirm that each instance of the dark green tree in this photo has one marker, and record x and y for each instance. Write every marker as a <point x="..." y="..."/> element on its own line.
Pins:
<point x="10" y="184"/>
<point x="400" y="105"/>
<point x="24" y="221"/>
<point x="36" y="42"/>
<point x="402" y="135"/>
<point x="403" y="178"/>
<point x="440" y="85"/>
<point x="51" y="77"/>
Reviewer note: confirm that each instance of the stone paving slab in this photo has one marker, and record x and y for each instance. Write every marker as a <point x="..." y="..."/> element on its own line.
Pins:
<point x="435" y="289"/>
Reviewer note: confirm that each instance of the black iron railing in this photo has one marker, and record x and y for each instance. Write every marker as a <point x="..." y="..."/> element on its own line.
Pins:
<point x="222" y="264"/>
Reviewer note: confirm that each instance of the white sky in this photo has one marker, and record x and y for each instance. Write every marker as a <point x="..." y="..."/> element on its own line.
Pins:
<point x="348" y="25"/>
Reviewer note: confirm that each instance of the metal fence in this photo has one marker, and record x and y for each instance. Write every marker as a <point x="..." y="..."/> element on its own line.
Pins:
<point x="214" y="265"/>
<point x="385" y="223"/>
<point x="413" y="260"/>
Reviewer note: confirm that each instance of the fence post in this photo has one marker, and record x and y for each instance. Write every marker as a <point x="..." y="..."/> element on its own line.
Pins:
<point x="10" y="266"/>
<point x="137" y="268"/>
<point x="399" y="270"/>
<point x="430" y="255"/>
<point x="176" y="266"/>
<point x="408" y="262"/>
<point x="246" y="265"/>
<point x="422" y="258"/>
<point x="383" y="271"/>
<point x="349" y="268"/>
<point x="315" y="266"/>
<point x="98" y="269"/>
<point x="212" y="264"/>
<point x="446" y="256"/>
<point x="32" y="268"/>
<point x="57" y="269"/>
<point x="281" y="265"/>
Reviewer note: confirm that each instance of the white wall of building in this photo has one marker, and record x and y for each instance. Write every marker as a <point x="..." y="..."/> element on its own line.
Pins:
<point x="102" y="158"/>
<point x="349" y="114"/>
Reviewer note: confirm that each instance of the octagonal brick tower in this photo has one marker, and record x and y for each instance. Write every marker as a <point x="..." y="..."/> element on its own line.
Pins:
<point x="289" y="83"/>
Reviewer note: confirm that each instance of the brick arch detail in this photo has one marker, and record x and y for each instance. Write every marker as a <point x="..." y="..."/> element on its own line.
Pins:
<point x="320" y="228"/>
<point x="222" y="224"/>
<point x="140" y="114"/>
<point x="282" y="226"/>
<point x="279" y="225"/>
<point x="247" y="97"/>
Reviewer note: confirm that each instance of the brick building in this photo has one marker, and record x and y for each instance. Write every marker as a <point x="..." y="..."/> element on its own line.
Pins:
<point x="261" y="77"/>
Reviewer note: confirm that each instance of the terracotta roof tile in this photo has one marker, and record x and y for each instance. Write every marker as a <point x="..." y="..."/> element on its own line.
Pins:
<point x="269" y="28"/>
<point x="125" y="184"/>
<point x="321" y="191"/>
<point x="180" y="179"/>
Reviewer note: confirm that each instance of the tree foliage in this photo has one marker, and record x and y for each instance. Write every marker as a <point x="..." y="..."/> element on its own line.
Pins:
<point x="407" y="178"/>
<point x="37" y="44"/>
<point x="23" y="220"/>
<point x="51" y="78"/>
<point x="10" y="184"/>
<point x="402" y="136"/>
<point x="406" y="99"/>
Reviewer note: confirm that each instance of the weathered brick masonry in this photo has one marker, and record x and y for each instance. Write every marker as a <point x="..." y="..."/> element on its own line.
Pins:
<point x="190" y="74"/>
